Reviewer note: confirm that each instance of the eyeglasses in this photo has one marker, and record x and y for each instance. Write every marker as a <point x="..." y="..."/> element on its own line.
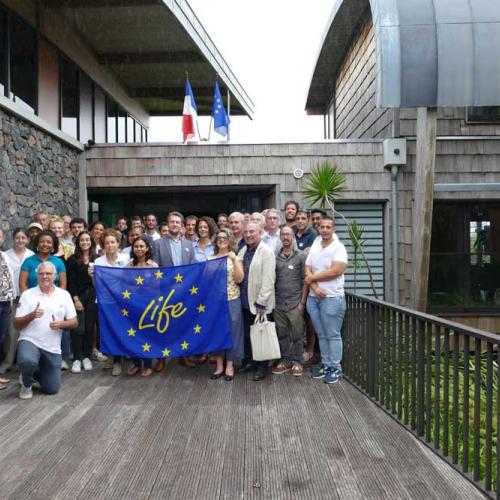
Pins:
<point x="222" y="238"/>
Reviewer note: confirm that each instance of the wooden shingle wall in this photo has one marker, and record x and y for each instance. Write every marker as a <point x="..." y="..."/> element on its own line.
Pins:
<point x="356" y="113"/>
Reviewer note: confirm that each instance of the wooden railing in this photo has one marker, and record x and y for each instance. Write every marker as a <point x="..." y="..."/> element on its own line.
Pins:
<point x="436" y="377"/>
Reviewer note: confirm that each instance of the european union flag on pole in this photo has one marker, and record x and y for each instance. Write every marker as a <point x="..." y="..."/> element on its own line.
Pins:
<point x="163" y="312"/>
<point x="219" y="115"/>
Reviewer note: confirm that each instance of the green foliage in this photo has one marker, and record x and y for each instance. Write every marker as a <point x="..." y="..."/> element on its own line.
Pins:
<point x="357" y="243"/>
<point x="325" y="184"/>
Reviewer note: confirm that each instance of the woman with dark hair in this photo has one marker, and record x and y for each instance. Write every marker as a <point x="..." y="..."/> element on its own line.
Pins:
<point x="224" y="246"/>
<point x="97" y="230"/>
<point x="112" y="258"/>
<point x="203" y="247"/>
<point x="141" y="256"/>
<point x="46" y="245"/>
<point x="15" y="257"/>
<point x="81" y="288"/>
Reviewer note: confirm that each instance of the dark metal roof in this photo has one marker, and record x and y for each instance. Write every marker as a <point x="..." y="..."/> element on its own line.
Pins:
<point x="150" y="45"/>
<point x="429" y="52"/>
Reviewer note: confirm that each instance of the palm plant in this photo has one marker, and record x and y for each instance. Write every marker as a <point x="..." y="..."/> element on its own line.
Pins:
<point x="324" y="185"/>
<point x="357" y="243"/>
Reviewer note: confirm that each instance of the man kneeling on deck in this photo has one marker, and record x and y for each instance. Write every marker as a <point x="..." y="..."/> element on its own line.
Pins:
<point x="43" y="313"/>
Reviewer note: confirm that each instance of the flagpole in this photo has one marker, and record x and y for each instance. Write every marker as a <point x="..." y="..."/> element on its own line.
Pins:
<point x="228" y="114"/>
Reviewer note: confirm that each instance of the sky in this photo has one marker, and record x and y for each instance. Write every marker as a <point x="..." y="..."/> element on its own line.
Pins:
<point x="271" y="46"/>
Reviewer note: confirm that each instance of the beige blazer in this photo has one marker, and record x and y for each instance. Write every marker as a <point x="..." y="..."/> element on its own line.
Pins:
<point x="261" y="278"/>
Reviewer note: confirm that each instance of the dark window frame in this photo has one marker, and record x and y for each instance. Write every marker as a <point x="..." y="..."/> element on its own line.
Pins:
<point x="472" y="274"/>
<point x="471" y="121"/>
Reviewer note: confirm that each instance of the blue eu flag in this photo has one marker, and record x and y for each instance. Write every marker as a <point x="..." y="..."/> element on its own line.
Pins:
<point x="221" y="120"/>
<point x="163" y="312"/>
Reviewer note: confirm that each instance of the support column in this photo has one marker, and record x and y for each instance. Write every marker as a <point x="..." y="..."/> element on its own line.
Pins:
<point x="422" y="210"/>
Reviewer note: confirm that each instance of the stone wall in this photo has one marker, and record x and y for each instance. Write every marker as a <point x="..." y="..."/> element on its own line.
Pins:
<point x="37" y="172"/>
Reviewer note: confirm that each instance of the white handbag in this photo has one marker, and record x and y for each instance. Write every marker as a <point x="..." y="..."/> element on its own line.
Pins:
<point x="265" y="345"/>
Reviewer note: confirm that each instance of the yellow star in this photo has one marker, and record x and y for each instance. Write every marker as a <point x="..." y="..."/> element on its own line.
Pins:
<point x="178" y="278"/>
<point x="126" y="294"/>
<point x="201" y="308"/>
<point x="131" y="332"/>
<point x="193" y="290"/>
<point x="159" y="275"/>
<point x="184" y="345"/>
<point x="197" y="329"/>
<point x="166" y="352"/>
<point x="124" y="312"/>
<point x="139" y="280"/>
<point x="146" y="347"/>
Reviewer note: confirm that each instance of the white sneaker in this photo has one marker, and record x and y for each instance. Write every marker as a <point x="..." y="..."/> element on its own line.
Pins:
<point x="117" y="370"/>
<point x="77" y="366"/>
<point x="98" y="355"/>
<point x="87" y="364"/>
<point x="64" y="365"/>
<point x="25" y="392"/>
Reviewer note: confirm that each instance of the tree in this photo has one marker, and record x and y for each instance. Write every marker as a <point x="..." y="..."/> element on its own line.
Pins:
<point x="324" y="185"/>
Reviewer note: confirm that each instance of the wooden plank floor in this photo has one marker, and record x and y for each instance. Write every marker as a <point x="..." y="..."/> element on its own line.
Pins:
<point x="182" y="435"/>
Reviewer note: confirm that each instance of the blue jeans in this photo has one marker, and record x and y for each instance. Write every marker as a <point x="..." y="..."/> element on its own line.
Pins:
<point x="66" y="345"/>
<point x="4" y="324"/>
<point x="327" y="315"/>
<point x="40" y="365"/>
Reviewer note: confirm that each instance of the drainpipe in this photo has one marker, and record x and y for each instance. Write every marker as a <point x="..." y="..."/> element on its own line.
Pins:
<point x="394" y="157"/>
<point x="395" y="233"/>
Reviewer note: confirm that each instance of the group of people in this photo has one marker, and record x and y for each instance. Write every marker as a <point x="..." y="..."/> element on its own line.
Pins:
<point x="290" y="273"/>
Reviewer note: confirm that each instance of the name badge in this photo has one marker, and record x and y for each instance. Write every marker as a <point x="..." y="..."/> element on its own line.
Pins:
<point x="186" y="249"/>
<point x="290" y="267"/>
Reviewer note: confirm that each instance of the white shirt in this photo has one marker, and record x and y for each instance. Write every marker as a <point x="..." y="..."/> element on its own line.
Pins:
<point x="321" y="259"/>
<point x="155" y="236"/>
<point x="273" y="241"/>
<point x="15" y="264"/>
<point x="59" y="303"/>
<point x="122" y="261"/>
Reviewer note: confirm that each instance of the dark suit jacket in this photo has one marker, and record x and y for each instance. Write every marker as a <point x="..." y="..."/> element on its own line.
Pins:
<point x="163" y="256"/>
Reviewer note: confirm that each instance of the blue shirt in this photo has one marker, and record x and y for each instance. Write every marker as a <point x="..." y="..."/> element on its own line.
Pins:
<point x="307" y="239"/>
<point x="201" y="255"/>
<point x="31" y="265"/>
<point x="176" y="250"/>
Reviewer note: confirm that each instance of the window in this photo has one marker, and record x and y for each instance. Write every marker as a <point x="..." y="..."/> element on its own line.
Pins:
<point x="70" y="98"/>
<point x="138" y="132"/>
<point x="485" y="114"/>
<point x="99" y="115"/>
<point x="86" y="109"/>
<point x="23" y="64"/>
<point x="130" y="129"/>
<point x="464" y="272"/>
<point x="112" y="112"/>
<point x="122" y="119"/>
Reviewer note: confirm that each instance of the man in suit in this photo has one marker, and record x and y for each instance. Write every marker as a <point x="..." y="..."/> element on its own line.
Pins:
<point x="173" y="250"/>
<point x="257" y="289"/>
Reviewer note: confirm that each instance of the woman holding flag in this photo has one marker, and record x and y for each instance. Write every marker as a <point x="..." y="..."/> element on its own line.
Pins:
<point x="224" y="246"/>
<point x="141" y="256"/>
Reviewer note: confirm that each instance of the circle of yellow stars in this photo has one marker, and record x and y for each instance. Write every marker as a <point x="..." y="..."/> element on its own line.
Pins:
<point x="146" y="347"/>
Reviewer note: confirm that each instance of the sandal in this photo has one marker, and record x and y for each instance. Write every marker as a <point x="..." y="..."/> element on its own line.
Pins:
<point x="147" y="372"/>
<point x="215" y="376"/>
<point x="132" y="370"/>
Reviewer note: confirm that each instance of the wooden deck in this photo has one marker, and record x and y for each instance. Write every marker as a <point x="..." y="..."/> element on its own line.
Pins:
<point x="181" y="435"/>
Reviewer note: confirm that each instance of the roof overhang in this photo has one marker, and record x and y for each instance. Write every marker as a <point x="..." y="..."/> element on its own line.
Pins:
<point x="150" y="45"/>
<point x="429" y="53"/>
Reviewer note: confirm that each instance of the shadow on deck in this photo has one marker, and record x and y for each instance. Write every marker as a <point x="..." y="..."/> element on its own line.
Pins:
<point x="181" y="435"/>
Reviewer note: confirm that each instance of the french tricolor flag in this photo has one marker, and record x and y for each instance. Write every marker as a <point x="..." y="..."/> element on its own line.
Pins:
<point x="189" y="114"/>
